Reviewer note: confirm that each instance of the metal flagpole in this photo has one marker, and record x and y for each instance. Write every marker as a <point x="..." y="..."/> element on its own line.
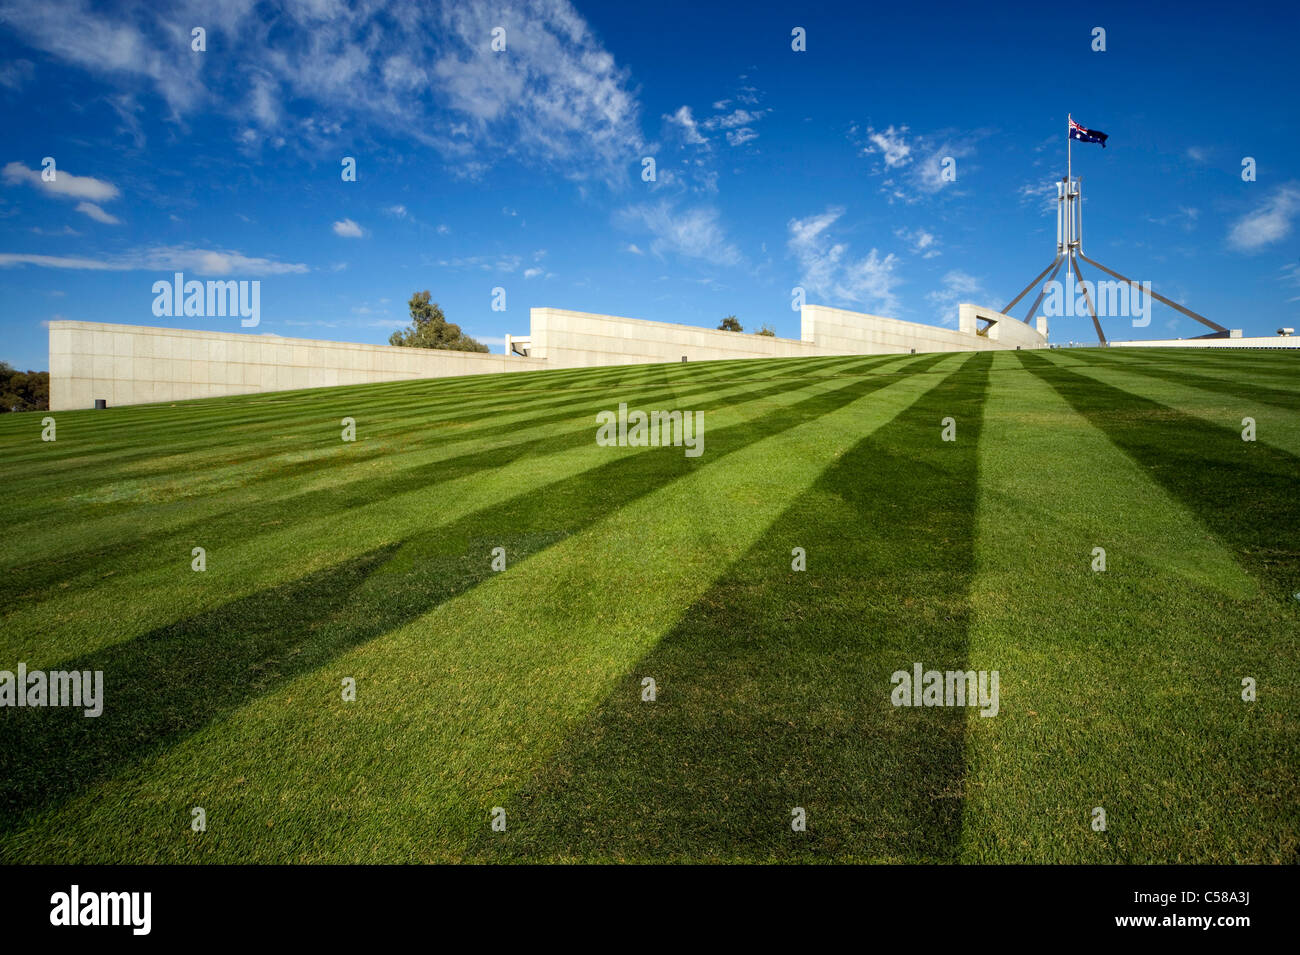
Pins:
<point x="1029" y="287"/>
<point x="1069" y="188"/>
<point x="1069" y="249"/>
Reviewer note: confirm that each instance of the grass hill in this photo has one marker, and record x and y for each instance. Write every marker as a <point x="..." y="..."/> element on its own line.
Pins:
<point x="522" y="688"/>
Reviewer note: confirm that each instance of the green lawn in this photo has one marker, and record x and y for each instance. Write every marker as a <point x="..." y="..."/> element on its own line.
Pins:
<point x="522" y="689"/>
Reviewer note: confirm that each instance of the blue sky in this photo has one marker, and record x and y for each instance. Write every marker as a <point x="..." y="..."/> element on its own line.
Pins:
<point x="521" y="169"/>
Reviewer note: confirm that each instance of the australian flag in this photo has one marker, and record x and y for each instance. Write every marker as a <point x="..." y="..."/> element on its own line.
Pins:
<point x="1085" y="135"/>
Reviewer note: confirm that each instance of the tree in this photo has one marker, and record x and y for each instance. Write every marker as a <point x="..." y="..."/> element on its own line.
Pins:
<point x="429" y="328"/>
<point x="730" y="324"/>
<point x="767" y="330"/>
<point x="23" y="391"/>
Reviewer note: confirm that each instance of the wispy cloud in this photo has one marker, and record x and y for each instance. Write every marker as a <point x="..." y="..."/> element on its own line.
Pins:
<point x="1040" y="193"/>
<point x="1186" y="217"/>
<point x="16" y="74"/>
<point x="484" y="263"/>
<point x="1268" y="222"/>
<point x="957" y="287"/>
<point x="828" y="270"/>
<point x="923" y="243"/>
<point x="693" y="233"/>
<point x="913" y="165"/>
<point x="161" y="258"/>
<point x="685" y="121"/>
<point x="98" y="214"/>
<point x="1291" y="276"/>
<point x="553" y="96"/>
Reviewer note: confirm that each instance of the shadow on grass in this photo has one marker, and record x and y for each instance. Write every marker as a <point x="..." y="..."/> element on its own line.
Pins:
<point x="171" y="681"/>
<point x="1243" y="390"/>
<point x="1245" y="492"/>
<point x="39" y="581"/>
<point x="165" y="685"/>
<point x="773" y="690"/>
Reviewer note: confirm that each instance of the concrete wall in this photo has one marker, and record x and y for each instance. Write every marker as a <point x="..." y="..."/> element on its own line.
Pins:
<point x="132" y="364"/>
<point x="1272" y="341"/>
<point x="837" y="331"/>
<point x="567" y="339"/>
<point x="1006" y="330"/>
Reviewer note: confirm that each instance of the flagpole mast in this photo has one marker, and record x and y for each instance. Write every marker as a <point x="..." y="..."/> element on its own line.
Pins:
<point x="1069" y="188"/>
<point x="1069" y="249"/>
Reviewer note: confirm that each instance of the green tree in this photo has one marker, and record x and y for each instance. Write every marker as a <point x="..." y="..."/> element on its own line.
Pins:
<point x="23" y="390"/>
<point x="767" y="330"/>
<point x="730" y="324"/>
<point x="429" y="328"/>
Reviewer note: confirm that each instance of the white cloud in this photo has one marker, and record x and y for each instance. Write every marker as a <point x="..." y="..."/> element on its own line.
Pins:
<point x="958" y="287"/>
<point x="827" y="269"/>
<point x="891" y="145"/>
<point x="1186" y="216"/>
<point x="162" y="258"/>
<point x="533" y="273"/>
<point x="105" y="44"/>
<point x="1267" y="223"/>
<point x="16" y="74"/>
<point x="913" y="165"/>
<point x="690" y="129"/>
<point x="1041" y="193"/>
<point x="923" y="243"/>
<point x="1291" y="276"/>
<point x="348" y="229"/>
<point x="555" y="95"/>
<point x="98" y="214"/>
<point x="443" y="229"/>
<point x="397" y="212"/>
<point x="634" y="249"/>
<point x="737" y="125"/>
<point x="64" y="186"/>
<point x="739" y="117"/>
<point x="692" y="233"/>
<point x="484" y="263"/>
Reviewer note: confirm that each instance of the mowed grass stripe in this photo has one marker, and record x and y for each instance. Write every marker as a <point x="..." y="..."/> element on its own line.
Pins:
<point x="461" y="703"/>
<point x="493" y="499"/>
<point x="773" y="689"/>
<point x="1219" y="407"/>
<point x="334" y="485"/>
<point x="177" y="675"/>
<point x="108" y="509"/>
<point x="1244" y="491"/>
<point x="1246" y="387"/>
<point x="140" y="443"/>
<point x="110" y="461"/>
<point x="1277" y="369"/>
<point x="1120" y="689"/>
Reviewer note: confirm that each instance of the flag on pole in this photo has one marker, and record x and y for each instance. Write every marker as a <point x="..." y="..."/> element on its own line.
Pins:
<point x="1085" y="135"/>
